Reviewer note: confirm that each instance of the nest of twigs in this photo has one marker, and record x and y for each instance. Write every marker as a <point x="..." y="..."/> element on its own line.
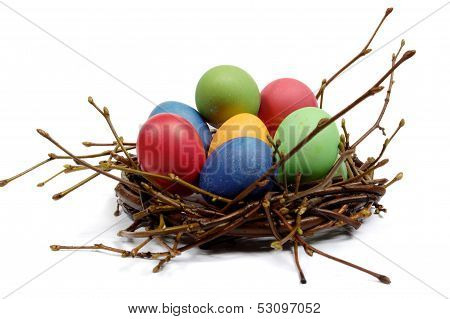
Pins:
<point x="289" y="213"/>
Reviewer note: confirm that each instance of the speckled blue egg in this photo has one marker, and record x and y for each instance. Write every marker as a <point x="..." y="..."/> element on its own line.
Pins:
<point x="189" y="114"/>
<point x="234" y="165"/>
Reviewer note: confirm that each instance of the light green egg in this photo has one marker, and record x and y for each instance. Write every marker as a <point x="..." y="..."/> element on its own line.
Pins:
<point x="225" y="91"/>
<point x="317" y="157"/>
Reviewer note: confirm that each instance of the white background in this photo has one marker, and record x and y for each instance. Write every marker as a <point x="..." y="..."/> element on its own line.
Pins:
<point x="160" y="49"/>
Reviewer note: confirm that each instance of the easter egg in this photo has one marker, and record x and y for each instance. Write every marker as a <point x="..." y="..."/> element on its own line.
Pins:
<point x="224" y="91"/>
<point x="316" y="158"/>
<point x="241" y="125"/>
<point x="282" y="97"/>
<point x="189" y="114"/>
<point x="235" y="165"/>
<point x="167" y="143"/>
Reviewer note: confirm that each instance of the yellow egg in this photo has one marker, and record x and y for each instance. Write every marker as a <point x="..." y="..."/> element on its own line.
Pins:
<point x="240" y="125"/>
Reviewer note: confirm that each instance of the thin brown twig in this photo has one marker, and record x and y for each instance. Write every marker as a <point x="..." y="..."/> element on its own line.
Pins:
<point x="62" y="194"/>
<point x="365" y="50"/>
<point x="100" y="154"/>
<point x="84" y="163"/>
<point x="386" y="100"/>
<point x="266" y="207"/>
<point x="297" y="263"/>
<point x="385" y="145"/>
<point x="9" y="180"/>
<point x="122" y="252"/>
<point x="105" y="113"/>
<point x="41" y="184"/>
<point x="91" y="144"/>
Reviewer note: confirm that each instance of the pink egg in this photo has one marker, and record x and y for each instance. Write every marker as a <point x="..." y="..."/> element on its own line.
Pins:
<point x="282" y="97"/>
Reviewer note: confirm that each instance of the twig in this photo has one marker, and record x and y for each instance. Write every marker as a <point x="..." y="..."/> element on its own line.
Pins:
<point x="160" y="232"/>
<point x="385" y="145"/>
<point x="386" y="99"/>
<point x="136" y="249"/>
<point x="266" y="207"/>
<point x="346" y="134"/>
<point x="84" y="163"/>
<point x="9" y="180"/>
<point x="105" y="113"/>
<point x="90" y="144"/>
<point x="365" y="50"/>
<point x="60" y="195"/>
<point x="361" y="175"/>
<point x="41" y="184"/>
<point x="382" y="278"/>
<point x="310" y="249"/>
<point x="100" y="154"/>
<point x="169" y="257"/>
<point x="397" y="177"/>
<point x="122" y="252"/>
<point x="297" y="263"/>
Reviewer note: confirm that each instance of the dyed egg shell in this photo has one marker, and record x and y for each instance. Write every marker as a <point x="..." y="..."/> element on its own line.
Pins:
<point x="234" y="165"/>
<point x="189" y="114"/>
<point x="167" y="143"/>
<point x="317" y="157"/>
<point x="241" y="125"/>
<point x="224" y="91"/>
<point x="282" y="97"/>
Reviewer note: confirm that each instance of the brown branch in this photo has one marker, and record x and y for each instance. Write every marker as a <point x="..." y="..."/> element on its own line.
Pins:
<point x="386" y="99"/>
<point x="134" y="252"/>
<point x="385" y="145"/>
<point x="297" y="263"/>
<point x="41" y="184"/>
<point x="308" y="247"/>
<point x="160" y="232"/>
<point x="84" y="163"/>
<point x="60" y="195"/>
<point x="361" y="175"/>
<point x="105" y="113"/>
<point x="266" y="207"/>
<point x="9" y="180"/>
<point x="365" y="50"/>
<point x="397" y="177"/>
<point x="100" y="154"/>
<point x="382" y="278"/>
<point x="90" y="144"/>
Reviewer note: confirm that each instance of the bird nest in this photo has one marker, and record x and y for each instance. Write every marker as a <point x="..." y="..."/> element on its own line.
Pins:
<point x="287" y="214"/>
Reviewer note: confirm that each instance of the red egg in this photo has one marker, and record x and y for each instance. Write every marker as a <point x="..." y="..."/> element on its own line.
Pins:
<point x="282" y="97"/>
<point x="167" y="143"/>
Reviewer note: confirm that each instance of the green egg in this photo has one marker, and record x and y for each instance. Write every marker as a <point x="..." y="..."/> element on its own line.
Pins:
<point x="317" y="157"/>
<point x="225" y="91"/>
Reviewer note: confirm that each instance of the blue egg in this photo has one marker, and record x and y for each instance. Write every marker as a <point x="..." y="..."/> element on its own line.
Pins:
<point x="234" y="165"/>
<point x="189" y="114"/>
